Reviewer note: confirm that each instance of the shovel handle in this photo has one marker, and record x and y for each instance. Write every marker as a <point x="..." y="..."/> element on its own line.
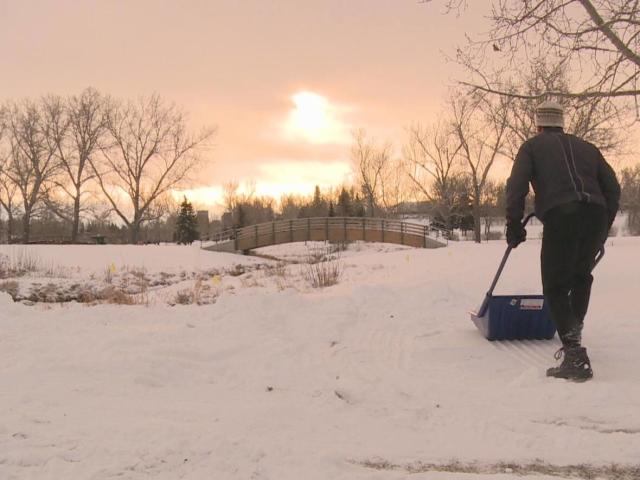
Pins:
<point x="485" y="302"/>
<point x="505" y="257"/>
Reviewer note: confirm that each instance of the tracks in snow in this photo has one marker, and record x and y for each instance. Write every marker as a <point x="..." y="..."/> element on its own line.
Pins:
<point x="529" y="353"/>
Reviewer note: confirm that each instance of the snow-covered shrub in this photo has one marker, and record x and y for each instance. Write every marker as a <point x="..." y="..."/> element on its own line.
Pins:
<point x="10" y="287"/>
<point x="199" y="294"/>
<point x="323" y="267"/>
<point x="279" y="273"/>
<point x="4" y="266"/>
<point x="116" y="296"/>
<point x="19" y="263"/>
<point x="340" y="246"/>
<point x="279" y="269"/>
<point x="183" y="297"/>
<point x="197" y="291"/>
<point x="237" y="270"/>
<point x="249" y="281"/>
<point x="108" y="275"/>
<point x="140" y="284"/>
<point x="316" y="256"/>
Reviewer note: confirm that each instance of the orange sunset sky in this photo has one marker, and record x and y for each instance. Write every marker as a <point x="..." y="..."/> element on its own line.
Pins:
<point x="284" y="81"/>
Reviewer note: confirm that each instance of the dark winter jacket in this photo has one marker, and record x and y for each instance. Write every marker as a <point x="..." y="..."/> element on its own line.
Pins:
<point x="562" y="168"/>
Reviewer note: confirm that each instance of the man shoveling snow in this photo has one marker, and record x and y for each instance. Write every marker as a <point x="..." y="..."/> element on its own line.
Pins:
<point x="576" y="198"/>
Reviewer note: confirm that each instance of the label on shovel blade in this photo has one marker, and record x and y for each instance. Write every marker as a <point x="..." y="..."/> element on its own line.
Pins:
<point x="531" y="304"/>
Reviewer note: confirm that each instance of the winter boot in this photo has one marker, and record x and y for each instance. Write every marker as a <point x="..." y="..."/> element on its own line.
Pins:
<point x="575" y="365"/>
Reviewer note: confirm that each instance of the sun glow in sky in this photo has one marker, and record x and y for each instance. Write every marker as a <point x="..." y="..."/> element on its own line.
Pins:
<point x="310" y="114"/>
<point x="315" y="120"/>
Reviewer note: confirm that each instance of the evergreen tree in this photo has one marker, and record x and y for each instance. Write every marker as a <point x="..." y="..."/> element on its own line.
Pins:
<point x="332" y="212"/>
<point x="319" y="206"/>
<point x="187" y="224"/>
<point x="360" y="211"/>
<point x="317" y="196"/>
<point x="344" y="204"/>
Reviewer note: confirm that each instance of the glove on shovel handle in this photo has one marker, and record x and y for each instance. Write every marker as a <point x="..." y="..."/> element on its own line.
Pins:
<point x="485" y="302"/>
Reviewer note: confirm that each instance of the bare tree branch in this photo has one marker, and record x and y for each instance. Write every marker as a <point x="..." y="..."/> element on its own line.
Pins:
<point x="597" y="40"/>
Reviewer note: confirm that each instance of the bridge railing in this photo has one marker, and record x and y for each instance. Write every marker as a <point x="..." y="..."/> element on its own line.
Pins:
<point x="333" y="223"/>
<point x="333" y="229"/>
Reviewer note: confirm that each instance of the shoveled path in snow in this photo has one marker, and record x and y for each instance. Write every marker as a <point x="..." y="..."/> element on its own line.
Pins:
<point x="314" y="384"/>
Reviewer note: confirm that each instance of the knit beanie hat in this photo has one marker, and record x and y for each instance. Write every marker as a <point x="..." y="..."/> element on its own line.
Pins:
<point x="549" y="114"/>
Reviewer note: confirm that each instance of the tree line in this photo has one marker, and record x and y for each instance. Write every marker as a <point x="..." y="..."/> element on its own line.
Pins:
<point x="92" y="156"/>
<point x="93" y="163"/>
<point x="242" y="209"/>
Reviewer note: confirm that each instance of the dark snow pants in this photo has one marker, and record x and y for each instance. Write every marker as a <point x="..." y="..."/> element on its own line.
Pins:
<point x="572" y="236"/>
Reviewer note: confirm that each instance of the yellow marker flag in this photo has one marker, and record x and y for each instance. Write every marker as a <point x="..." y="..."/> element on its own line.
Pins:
<point x="216" y="280"/>
<point x="112" y="267"/>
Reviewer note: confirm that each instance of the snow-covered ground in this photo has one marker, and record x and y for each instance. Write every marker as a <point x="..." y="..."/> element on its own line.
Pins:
<point x="382" y="376"/>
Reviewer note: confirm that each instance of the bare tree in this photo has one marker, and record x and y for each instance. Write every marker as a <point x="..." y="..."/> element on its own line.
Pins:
<point x="369" y="163"/>
<point x="7" y="188"/>
<point x="32" y="155"/>
<point x="597" y="40"/>
<point x="480" y="124"/>
<point x="8" y="195"/>
<point x="238" y="204"/>
<point x="492" y="205"/>
<point x="146" y="153"/>
<point x="290" y="206"/>
<point x="230" y="195"/>
<point x="395" y="187"/>
<point x="432" y="164"/>
<point x="77" y="125"/>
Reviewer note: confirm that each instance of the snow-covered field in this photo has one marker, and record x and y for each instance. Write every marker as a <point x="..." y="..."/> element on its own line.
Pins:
<point x="382" y="376"/>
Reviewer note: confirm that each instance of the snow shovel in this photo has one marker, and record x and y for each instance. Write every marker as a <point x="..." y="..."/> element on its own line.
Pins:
<point x="516" y="317"/>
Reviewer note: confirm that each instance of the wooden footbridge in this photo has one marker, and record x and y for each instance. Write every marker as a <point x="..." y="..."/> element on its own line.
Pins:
<point x="334" y="229"/>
